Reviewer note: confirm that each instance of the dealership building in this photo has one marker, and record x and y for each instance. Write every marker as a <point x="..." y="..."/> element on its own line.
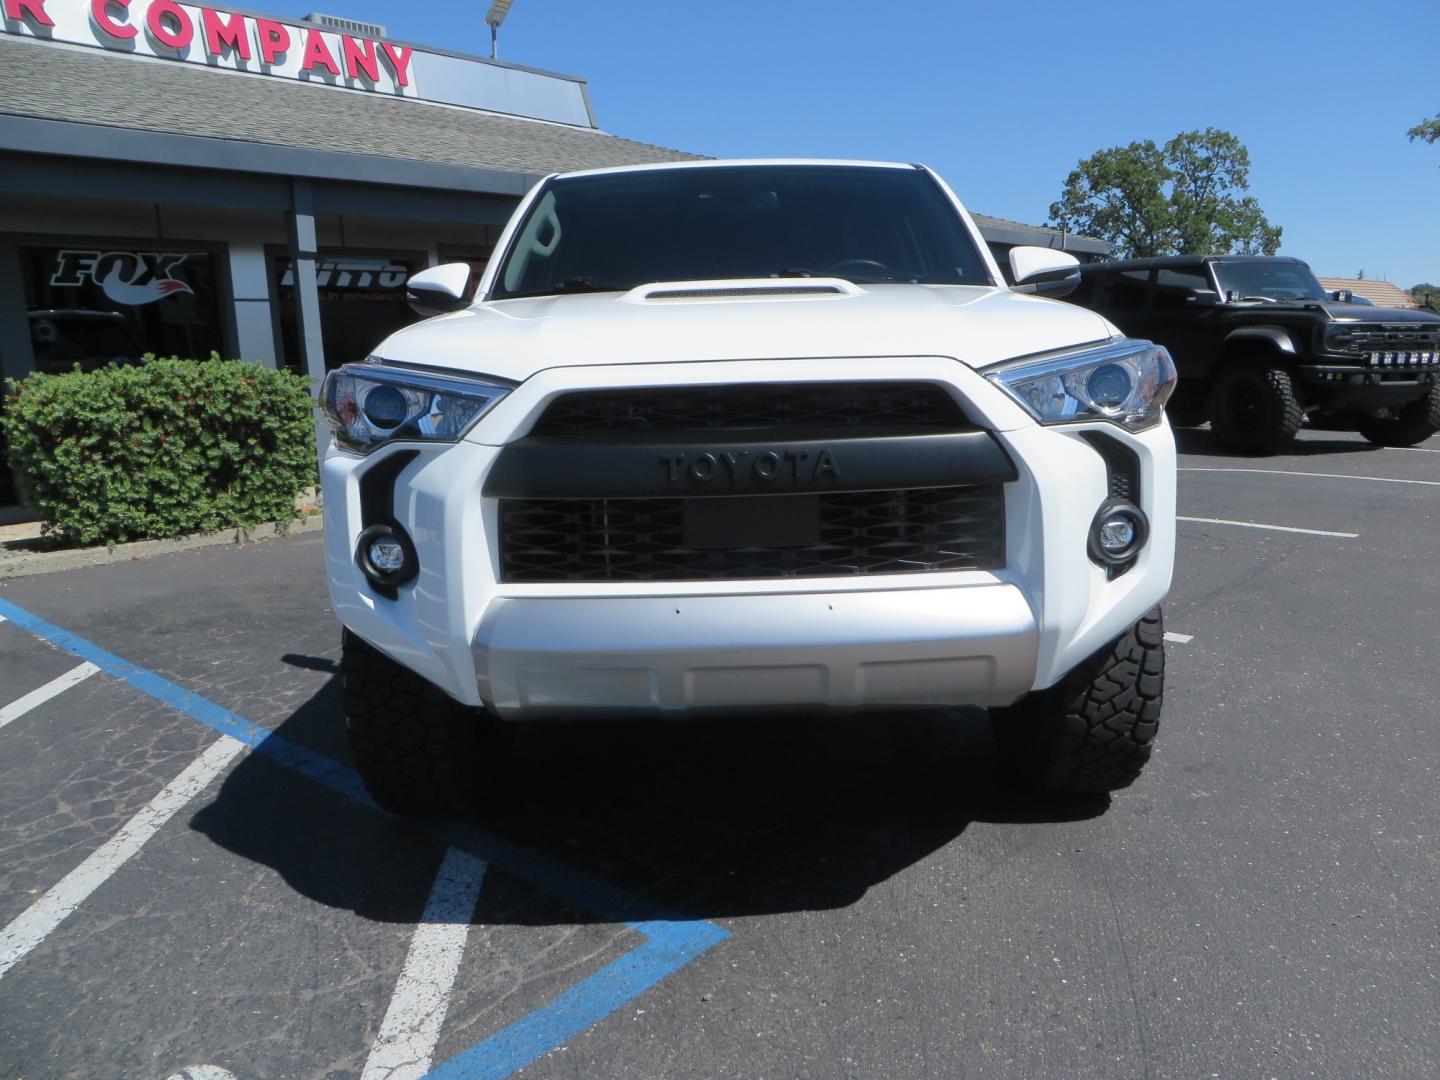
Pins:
<point x="184" y="179"/>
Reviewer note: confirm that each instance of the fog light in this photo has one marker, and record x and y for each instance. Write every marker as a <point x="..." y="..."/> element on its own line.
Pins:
<point x="386" y="554"/>
<point x="387" y="557"/>
<point x="1118" y="532"/>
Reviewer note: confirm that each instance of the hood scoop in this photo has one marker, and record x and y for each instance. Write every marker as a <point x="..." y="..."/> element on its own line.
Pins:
<point x="741" y="289"/>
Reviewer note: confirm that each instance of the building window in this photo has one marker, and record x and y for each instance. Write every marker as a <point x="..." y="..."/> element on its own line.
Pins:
<point x="362" y="301"/>
<point x="91" y="303"/>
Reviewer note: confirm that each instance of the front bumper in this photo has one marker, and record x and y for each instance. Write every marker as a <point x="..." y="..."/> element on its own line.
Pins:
<point x="811" y="651"/>
<point x="669" y="648"/>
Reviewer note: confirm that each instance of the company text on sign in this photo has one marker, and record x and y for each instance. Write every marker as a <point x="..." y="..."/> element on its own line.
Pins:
<point x="208" y="35"/>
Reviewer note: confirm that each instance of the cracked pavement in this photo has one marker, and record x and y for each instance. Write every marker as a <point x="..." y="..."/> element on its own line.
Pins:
<point x="1265" y="900"/>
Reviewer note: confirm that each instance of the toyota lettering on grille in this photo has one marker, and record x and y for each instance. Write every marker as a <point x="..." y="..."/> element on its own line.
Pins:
<point x="750" y="468"/>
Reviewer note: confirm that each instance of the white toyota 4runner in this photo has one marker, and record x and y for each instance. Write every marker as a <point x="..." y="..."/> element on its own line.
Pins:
<point x="753" y="437"/>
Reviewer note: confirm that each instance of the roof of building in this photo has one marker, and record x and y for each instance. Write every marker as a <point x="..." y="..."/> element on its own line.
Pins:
<point x="64" y="84"/>
<point x="999" y="230"/>
<point x="1381" y="293"/>
<point x="55" y="82"/>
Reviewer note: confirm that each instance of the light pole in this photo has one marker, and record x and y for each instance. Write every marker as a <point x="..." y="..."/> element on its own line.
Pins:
<point x="496" y="15"/>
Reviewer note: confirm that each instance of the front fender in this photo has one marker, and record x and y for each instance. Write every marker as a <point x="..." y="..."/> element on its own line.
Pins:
<point x="1274" y="336"/>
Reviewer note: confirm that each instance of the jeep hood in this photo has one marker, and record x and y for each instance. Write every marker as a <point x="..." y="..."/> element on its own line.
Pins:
<point x="514" y="339"/>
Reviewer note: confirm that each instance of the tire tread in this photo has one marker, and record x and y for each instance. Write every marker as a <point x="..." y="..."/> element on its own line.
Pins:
<point x="1094" y="731"/>
<point x="414" y="746"/>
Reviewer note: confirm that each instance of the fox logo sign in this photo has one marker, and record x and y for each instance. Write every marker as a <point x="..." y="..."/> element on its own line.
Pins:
<point x="131" y="278"/>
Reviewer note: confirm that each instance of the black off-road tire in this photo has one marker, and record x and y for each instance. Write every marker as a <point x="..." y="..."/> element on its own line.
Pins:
<point x="1255" y="407"/>
<point x="1092" y="732"/>
<point x="418" y="750"/>
<point x="1412" y="424"/>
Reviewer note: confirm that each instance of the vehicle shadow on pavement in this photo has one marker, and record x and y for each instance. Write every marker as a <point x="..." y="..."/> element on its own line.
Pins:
<point x="708" y="819"/>
<point x="1201" y="441"/>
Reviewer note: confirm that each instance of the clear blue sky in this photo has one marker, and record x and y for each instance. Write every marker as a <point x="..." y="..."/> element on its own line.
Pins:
<point x="1004" y="98"/>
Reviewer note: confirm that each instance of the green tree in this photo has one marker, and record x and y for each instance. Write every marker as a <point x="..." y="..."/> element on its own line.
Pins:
<point x="1185" y="198"/>
<point x="1427" y="130"/>
<point x="1426" y="294"/>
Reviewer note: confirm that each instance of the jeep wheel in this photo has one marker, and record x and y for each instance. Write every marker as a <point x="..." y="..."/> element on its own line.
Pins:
<point x="1254" y="408"/>
<point x="1414" y="423"/>
<point x="418" y="750"/>
<point x="1093" y="731"/>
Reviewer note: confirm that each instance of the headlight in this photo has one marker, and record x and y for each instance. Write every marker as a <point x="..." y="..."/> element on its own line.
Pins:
<point x="370" y="404"/>
<point x="1125" y="382"/>
<point x="1340" y="339"/>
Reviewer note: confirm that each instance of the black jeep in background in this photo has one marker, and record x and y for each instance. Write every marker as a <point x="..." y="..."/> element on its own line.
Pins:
<point x="1259" y="344"/>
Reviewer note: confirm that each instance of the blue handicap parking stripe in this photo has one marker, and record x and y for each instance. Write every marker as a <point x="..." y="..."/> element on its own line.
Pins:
<point x="670" y="941"/>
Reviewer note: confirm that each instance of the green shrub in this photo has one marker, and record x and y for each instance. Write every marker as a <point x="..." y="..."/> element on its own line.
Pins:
<point x="167" y="447"/>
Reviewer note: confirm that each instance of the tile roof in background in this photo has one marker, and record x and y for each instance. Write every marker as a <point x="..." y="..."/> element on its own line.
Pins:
<point x="1383" y="293"/>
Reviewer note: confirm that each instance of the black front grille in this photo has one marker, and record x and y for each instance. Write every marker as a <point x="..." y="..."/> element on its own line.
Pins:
<point x="867" y="532"/>
<point x="746" y="406"/>
<point x="1391" y="338"/>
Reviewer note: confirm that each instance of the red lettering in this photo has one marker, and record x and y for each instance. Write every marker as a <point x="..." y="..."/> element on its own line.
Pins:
<point x="360" y="57"/>
<point x="317" y="54"/>
<point x="33" y="10"/>
<point x="220" y="34"/>
<point x="100" y="13"/>
<point x="274" y="40"/>
<point x="399" y="62"/>
<point x="169" y="24"/>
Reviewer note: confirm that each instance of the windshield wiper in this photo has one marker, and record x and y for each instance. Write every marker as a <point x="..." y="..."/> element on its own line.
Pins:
<point x="586" y="284"/>
<point x="569" y="285"/>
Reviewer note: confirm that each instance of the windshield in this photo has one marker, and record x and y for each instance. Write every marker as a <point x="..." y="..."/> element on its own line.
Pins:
<point x="1269" y="281"/>
<point x="617" y="231"/>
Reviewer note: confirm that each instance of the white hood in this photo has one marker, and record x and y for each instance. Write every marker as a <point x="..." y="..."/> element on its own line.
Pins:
<point x="514" y="339"/>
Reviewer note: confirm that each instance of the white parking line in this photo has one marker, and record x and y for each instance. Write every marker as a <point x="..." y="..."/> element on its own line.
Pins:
<point x="1272" y="528"/>
<point x="411" y="1027"/>
<point x="1179" y="639"/>
<point x="58" y="685"/>
<point x="36" y="922"/>
<point x="1325" y="475"/>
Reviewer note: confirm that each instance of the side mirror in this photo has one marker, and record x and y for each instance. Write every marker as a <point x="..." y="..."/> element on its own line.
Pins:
<point x="438" y="290"/>
<point x="1044" y="270"/>
<point x="1203" y="297"/>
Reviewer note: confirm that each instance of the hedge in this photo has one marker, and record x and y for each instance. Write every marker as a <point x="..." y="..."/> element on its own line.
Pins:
<point x="162" y="448"/>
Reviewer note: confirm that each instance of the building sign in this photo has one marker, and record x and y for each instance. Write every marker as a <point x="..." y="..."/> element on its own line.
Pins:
<point x="229" y="40"/>
<point x="129" y="278"/>
<point x="360" y="275"/>
<point x="219" y="38"/>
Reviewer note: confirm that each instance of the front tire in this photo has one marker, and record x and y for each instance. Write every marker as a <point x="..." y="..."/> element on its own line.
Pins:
<point x="418" y="750"/>
<point x="1092" y="732"/>
<point x="1255" y="407"/>
<point x="1407" y="426"/>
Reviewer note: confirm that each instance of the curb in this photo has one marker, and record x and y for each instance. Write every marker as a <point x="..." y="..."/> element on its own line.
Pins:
<point x="15" y="564"/>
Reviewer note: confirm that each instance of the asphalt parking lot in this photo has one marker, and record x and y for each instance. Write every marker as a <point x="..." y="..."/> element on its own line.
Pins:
<point x="195" y="885"/>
